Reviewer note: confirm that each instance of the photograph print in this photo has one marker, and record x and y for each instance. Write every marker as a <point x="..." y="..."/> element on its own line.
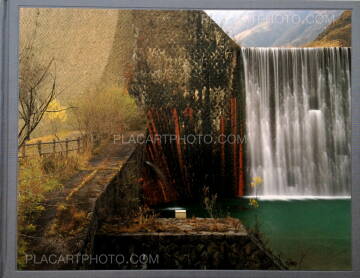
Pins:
<point x="184" y="139"/>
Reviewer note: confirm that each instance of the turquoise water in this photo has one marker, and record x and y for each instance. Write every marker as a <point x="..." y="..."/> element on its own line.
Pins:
<point x="316" y="233"/>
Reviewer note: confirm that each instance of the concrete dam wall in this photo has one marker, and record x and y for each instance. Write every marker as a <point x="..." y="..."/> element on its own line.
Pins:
<point x="187" y="74"/>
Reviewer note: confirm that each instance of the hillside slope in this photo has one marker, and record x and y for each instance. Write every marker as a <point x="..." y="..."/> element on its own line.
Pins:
<point x="336" y="34"/>
<point x="274" y="28"/>
<point x="79" y="41"/>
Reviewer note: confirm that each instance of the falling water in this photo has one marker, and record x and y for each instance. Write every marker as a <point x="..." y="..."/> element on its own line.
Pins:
<point x="298" y="120"/>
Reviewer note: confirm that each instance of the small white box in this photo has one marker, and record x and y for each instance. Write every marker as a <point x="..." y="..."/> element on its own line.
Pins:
<point x="180" y="213"/>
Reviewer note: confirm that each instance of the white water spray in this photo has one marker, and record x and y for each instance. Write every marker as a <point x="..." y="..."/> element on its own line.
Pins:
<point x="298" y="120"/>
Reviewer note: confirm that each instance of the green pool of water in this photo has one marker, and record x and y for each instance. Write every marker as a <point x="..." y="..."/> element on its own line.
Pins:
<point x="316" y="233"/>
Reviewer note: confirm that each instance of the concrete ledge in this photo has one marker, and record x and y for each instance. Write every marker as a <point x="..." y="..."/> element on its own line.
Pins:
<point x="197" y="243"/>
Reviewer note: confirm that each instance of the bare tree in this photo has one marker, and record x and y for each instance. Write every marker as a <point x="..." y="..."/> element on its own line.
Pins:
<point x="37" y="90"/>
<point x="37" y="84"/>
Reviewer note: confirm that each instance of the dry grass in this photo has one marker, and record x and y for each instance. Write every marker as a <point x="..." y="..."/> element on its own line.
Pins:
<point x="39" y="178"/>
<point x="62" y="135"/>
<point x="173" y="225"/>
<point x="69" y="221"/>
<point x="84" y="181"/>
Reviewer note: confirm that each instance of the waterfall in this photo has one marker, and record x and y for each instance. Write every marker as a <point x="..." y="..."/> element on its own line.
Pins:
<point x="298" y="120"/>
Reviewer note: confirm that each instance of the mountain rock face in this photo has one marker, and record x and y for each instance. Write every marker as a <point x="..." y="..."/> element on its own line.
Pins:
<point x="337" y="34"/>
<point x="273" y="28"/>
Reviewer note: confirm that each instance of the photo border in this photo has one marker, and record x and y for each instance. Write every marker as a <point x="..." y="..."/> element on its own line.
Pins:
<point x="9" y="29"/>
